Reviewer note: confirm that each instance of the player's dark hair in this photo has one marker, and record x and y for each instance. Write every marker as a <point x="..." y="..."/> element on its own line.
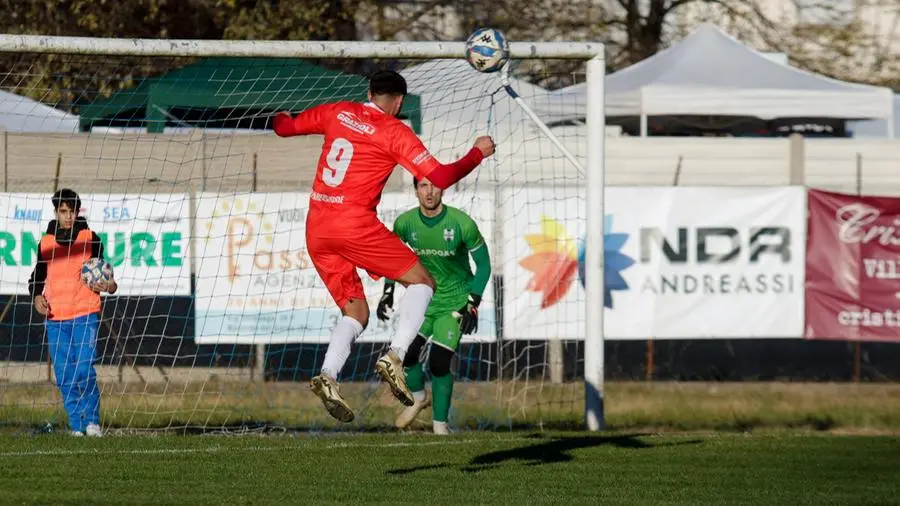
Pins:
<point x="387" y="82"/>
<point x="415" y="183"/>
<point x="68" y="197"/>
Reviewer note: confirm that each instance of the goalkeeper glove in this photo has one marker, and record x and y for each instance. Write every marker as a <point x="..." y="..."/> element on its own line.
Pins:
<point x="468" y="314"/>
<point x="386" y="305"/>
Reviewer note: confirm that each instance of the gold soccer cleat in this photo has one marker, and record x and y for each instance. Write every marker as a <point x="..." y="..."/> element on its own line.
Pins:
<point x="390" y="368"/>
<point x="327" y="389"/>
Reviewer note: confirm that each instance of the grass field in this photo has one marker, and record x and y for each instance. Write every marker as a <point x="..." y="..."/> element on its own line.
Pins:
<point x="668" y="443"/>
<point x="775" y="467"/>
<point x="498" y="406"/>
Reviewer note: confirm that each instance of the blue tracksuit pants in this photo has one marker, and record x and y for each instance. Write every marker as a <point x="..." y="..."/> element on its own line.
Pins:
<point x="73" y="350"/>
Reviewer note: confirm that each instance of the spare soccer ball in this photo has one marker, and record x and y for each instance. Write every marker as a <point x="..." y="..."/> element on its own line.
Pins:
<point x="95" y="271"/>
<point x="487" y="50"/>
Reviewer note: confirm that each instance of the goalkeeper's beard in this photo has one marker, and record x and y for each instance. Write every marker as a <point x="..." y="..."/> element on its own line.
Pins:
<point x="432" y="209"/>
<point x="412" y="314"/>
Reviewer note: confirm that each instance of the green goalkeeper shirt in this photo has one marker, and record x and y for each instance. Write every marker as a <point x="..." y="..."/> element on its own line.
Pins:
<point x="443" y="244"/>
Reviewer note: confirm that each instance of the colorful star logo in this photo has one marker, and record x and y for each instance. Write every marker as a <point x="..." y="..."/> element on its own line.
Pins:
<point x="553" y="261"/>
<point x="555" y="258"/>
<point x="614" y="261"/>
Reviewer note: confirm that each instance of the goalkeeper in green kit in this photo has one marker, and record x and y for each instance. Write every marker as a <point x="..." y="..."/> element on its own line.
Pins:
<point x="443" y="237"/>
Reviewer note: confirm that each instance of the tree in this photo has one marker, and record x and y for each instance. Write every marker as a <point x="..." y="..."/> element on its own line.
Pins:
<point x="847" y="40"/>
<point x="835" y="38"/>
<point x="64" y="79"/>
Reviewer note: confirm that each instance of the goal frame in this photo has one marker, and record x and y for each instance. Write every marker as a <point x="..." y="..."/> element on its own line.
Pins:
<point x="592" y="53"/>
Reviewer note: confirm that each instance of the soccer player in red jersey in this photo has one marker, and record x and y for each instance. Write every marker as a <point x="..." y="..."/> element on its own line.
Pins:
<point x="363" y="143"/>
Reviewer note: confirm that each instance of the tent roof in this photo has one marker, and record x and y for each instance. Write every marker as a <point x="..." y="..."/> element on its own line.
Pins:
<point x="711" y="73"/>
<point x="229" y="91"/>
<point x="876" y="128"/>
<point x="22" y="114"/>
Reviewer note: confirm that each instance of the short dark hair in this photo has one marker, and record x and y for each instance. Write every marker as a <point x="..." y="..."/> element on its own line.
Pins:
<point x="387" y="82"/>
<point x="68" y="197"/>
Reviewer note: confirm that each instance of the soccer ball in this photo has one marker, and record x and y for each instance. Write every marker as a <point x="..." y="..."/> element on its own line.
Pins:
<point x="487" y="50"/>
<point x="94" y="271"/>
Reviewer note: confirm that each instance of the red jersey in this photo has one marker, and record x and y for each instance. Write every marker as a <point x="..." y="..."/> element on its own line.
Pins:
<point x="362" y="146"/>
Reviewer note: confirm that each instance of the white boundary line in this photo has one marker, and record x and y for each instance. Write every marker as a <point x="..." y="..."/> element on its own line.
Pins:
<point x="305" y="444"/>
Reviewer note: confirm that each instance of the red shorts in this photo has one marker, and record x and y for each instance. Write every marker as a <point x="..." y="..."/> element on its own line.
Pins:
<point x="338" y="245"/>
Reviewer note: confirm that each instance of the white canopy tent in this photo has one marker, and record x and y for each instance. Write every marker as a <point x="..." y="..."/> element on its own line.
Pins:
<point x="22" y="114"/>
<point x="709" y="73"/>
<point x="876" y="128"/>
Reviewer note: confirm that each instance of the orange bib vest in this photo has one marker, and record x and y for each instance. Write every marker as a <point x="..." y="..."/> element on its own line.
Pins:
<point x="68" y="297"/>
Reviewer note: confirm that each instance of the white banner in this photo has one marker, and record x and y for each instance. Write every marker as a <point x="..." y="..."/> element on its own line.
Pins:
<point x="256" y="283"/>
<point x="699" y="262"/>
<point x="145" y="238"/>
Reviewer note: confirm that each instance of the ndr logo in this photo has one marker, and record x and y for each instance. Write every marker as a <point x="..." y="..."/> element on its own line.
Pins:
<point x="25" y="214"/>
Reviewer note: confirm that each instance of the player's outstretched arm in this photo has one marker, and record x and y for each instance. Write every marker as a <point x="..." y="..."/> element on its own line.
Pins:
<point x="446" y="175"/>
<point x="409" y="152"/>
<point x="310" y="121"/>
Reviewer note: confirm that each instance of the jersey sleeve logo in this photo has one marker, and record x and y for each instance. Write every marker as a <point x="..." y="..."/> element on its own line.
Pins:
<point x="421" y="158"/>
<point x="352" y="121"/>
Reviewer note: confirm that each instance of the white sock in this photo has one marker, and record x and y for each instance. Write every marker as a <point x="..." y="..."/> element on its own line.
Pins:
<point x="419" y="396"/>
<point x="412" y="314"/>
<point x="345" y="332"/>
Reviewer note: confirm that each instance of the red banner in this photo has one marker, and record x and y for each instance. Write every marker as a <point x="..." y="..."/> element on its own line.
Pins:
<point x="853" y="268"/>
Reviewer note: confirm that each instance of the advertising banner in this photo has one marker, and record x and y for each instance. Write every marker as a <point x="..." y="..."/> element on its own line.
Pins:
<point x="145" y="239"/>
<point x="257" y="284"/>
<point x="853" y="268"/>
<point x="680" y="263"/>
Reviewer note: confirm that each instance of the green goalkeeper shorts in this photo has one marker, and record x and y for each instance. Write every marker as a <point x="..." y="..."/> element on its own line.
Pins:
<point x="443" y="330"/>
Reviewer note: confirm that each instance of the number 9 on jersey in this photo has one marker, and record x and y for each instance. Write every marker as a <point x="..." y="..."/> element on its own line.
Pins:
<point x="337" y="162"/>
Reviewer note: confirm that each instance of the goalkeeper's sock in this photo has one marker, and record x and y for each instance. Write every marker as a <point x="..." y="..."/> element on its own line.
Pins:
<point x="345" y="332"/>
<point x="441" y="392"/>
<point x="415" y="381"/>
<point x="412" y="314"/>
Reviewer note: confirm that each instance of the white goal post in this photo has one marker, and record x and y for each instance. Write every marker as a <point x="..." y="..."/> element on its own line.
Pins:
<point x="592" y="53"/>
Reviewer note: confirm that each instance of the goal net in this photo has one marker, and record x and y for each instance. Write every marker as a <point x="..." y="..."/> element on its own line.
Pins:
<point x="220" y="320"/>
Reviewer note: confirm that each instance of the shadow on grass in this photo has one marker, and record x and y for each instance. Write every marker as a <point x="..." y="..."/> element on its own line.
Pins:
<point x="548" y="450"/>
<point x="410" y="470"/>
<point x="558" y="449"/>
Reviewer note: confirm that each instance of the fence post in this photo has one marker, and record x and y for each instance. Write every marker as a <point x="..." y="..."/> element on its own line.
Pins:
<point x="258" y="371"/>
<point x="555" y="360"/>
<point x="650" y="352"/>
<point x="253" y="186"/>
<point x="58" y="170"/>
<point x="202" y="161"/>
<point x="797" y="163"/>
<point x="857" y="346"/>
<point x="859" y="174"/>
<point x="5" y="160"/>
